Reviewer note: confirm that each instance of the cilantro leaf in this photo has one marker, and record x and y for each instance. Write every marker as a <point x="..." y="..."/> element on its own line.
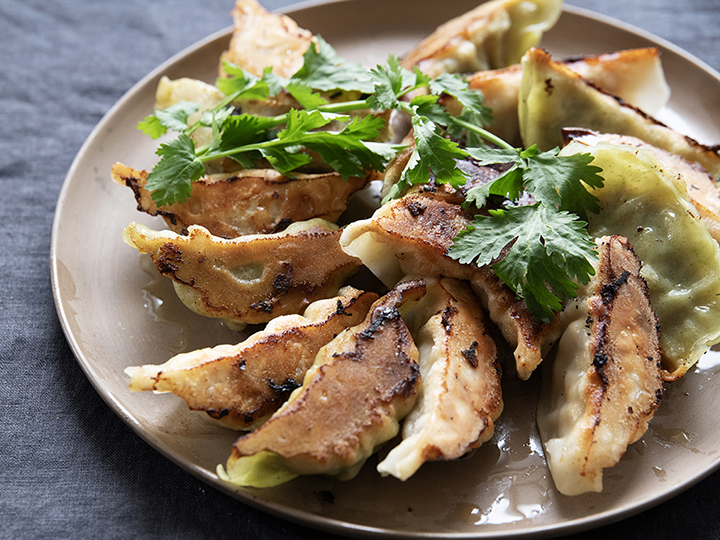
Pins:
<point x="324" y="69"/>
<point x="305" y="96"/>
<point x="387" y="150"/>
<point x="473" y="111"/>
<point x="245" y="84"/>
<point x="170" y="180"/>
<point x="285" y="161"/>
<point x="486" y="155"/>
<point x="390" y="82"/>
<point x="300" y="122"/>
<point x="275" y="83"/>
<point x="421" y="79"/>
<point x="547" y="249"/>
<point x="243" y="129"/>
<point x="215" y="124"/>
<point x="174" y="117"/>
<point x="427" y="105"/>
<point x="345" y="150"/>
<point x="472" y="100"/>
<point x="151" y="125"/>
<point x="435" y="153"/>
<point x="557" y="181"/>
<point x="212" y="117"/>
<point x="509" y="184"/>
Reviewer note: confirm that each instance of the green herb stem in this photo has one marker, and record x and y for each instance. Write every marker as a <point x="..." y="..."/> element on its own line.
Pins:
<point x="204" y="156"/>
<point x="485" y="134"/>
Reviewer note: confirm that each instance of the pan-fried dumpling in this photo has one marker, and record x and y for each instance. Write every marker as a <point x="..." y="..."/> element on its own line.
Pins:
<point x="352" y="400"/>
<point x="636" y="76"/>
<point x="493" y="35"/>
<point x="241" y="385"/>
<point x="262" y="39"/>
<point x="552" y="97"/>
<point x="703" y="191"/>
<point x="645" y="202"/>
<point x="461" y="396"/>
<point x="604" y="384"/>
<point x="247" y="202"/>
<point x="251" y="279"/>
<point x="411" y="236"/>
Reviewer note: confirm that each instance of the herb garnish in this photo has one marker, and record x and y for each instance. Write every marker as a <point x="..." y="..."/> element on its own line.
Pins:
<point x="550" y="248"/>
<point x="540" y="251"/>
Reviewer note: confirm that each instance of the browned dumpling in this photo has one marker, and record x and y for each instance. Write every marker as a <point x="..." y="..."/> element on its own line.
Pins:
<point x="461" y="396"/>
<point x="411" y="236"/>
<point x="552" y="97"/>
<point x="241" y="385"/>
<point x="605" y="382"/>
<point x="352" y="400"/>
<point x="493" y="35"/>
<point x="251" y="279"/>
<point x="262" y="39"/>
<point x="248" y="201"/>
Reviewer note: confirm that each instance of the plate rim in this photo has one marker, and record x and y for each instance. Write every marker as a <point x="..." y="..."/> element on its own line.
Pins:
<point x="305" y="518"/>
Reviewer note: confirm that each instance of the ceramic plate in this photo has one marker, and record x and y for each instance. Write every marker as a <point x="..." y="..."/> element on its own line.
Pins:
<point x="117" y="311"/>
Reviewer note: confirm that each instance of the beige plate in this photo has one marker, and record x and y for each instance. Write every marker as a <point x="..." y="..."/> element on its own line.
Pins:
<point x="117" y="312"/>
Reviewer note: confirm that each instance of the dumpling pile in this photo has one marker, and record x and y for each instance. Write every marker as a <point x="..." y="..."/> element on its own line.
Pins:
<point x="412" y="365"/>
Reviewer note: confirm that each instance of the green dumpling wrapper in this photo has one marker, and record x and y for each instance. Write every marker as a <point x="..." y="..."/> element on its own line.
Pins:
<point x="648" y="204"/>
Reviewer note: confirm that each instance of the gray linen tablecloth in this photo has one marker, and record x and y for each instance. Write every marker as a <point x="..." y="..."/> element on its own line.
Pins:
<point x="68" y="466"/>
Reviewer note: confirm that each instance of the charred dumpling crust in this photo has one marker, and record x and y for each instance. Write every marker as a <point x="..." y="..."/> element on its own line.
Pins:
<point x="251" y="279"/>
<point x="256" y="201"/>
<point x="240" y="385"/>
<point x="605" y="383"/>
<point x="362" y="384"/>
<point x="411" y="236"/>
<point x="461" y="395"/>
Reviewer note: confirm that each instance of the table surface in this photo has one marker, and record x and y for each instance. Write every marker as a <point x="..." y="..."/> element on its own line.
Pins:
<point x="68" y="466"/>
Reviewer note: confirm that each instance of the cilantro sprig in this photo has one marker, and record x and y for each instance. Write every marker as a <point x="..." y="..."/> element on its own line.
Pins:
<point x="541" y="251"/>
<point x="285" y="140"/>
